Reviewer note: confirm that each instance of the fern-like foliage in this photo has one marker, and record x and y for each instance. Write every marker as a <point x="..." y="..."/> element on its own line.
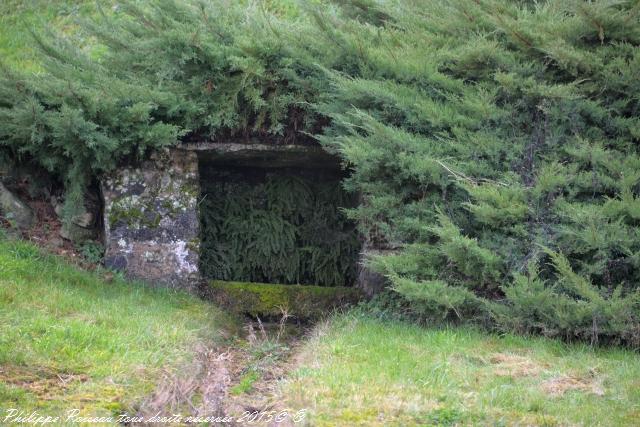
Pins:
<point x="279" y="228"/>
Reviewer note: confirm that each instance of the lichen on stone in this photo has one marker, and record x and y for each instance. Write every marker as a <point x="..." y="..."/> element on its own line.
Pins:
<point x="151" y="224"/>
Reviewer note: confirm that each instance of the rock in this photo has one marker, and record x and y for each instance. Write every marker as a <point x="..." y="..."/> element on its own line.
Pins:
<point x="87" y="219"/>
<point x="15" y="210"/>
<point x="83" y="226"/>
<point x="77" y="234"/>
<point x="55" y="243"/>
<point x="369" y="281"/>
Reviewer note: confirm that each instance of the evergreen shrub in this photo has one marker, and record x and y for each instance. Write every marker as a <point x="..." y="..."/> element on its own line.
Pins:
<point x="495" y="143"/>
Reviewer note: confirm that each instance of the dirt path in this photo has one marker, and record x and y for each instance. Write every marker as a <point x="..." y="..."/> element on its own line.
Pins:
<point x="238" y="381"/>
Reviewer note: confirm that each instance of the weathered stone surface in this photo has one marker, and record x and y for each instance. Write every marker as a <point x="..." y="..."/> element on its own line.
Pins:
<point x="151" y="220"/>
<point x="15" y="210"/>
<point x="369" y="281"/>
<point x="264" y="155"/>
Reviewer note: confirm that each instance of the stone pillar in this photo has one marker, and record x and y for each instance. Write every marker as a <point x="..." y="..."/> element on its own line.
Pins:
<point x="151" y="220"/>
<point x="369" y="281"/>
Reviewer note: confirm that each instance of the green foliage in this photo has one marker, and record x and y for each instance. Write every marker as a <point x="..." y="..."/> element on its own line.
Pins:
<point x="280" y="228"/>
<point x="571" y="308"/>
<point x="268" y="300"/>
<point x="475" y="132"/>
<point x="92" y="251"/>
<point x="446" y="417"/>
<point x="436" y="298"/>
<point x="480" y="132"/>
<point x="246" y="383"/>
<point x="155" y="72"/>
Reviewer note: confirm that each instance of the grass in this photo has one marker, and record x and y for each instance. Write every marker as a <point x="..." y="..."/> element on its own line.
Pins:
<point x="360" y="371"/>
<point x="246" y="383"/>
<point x="71" y="340"/>
<point x="19" y="17"/>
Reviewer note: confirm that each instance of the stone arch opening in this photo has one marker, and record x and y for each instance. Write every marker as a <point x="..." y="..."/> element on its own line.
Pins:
<point x="274" y="214"/>
<point x="159" y="216"/>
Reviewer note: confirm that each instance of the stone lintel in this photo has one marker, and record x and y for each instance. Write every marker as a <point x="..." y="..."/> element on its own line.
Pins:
<point x="263" y="155"/>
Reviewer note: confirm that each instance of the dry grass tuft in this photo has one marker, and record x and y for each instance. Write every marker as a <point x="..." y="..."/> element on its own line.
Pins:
<point x="558" y="386"/>
<point x="45" y="383"/>
<point x="511" y="365"/>
<point x="227" y="380"/>
<point x="207" y="379"/>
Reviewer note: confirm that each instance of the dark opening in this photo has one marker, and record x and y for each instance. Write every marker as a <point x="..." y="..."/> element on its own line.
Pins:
<point x="276" y="218"/>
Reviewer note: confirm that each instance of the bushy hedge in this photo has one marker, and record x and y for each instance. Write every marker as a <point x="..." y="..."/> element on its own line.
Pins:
<point x="145" y="75"/>
<point x="494" y="142"/>
<point x="497" y="144"/>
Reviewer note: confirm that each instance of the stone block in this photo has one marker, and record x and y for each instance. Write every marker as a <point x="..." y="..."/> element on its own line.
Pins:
<point x="15" y="210"/>
<point x="151" y="220"/>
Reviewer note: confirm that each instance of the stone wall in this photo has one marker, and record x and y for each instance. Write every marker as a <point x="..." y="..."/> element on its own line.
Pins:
<point x="151" y="220"/>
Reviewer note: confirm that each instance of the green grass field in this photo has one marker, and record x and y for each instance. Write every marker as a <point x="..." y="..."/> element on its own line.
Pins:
<point x="358" y="371"/>
<point x="71" y="340"/>
<point x="19" y="17"/>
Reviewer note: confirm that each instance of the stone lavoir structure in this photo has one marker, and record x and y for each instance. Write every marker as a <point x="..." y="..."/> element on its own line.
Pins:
<point x="151" y="211"/>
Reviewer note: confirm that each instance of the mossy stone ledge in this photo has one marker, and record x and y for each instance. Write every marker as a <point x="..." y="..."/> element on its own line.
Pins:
<point x="269" y="300"/>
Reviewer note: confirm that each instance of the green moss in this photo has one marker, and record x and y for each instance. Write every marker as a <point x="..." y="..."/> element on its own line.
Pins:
<point x="166" y="204"/>
<point x="133" y="215"/>
<point x="191" y="191"/>
<point x="119" y="213"/>
<point x="268" y="299"/>
<point x="194" y="244"/>
<point x="172" y="210"/>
